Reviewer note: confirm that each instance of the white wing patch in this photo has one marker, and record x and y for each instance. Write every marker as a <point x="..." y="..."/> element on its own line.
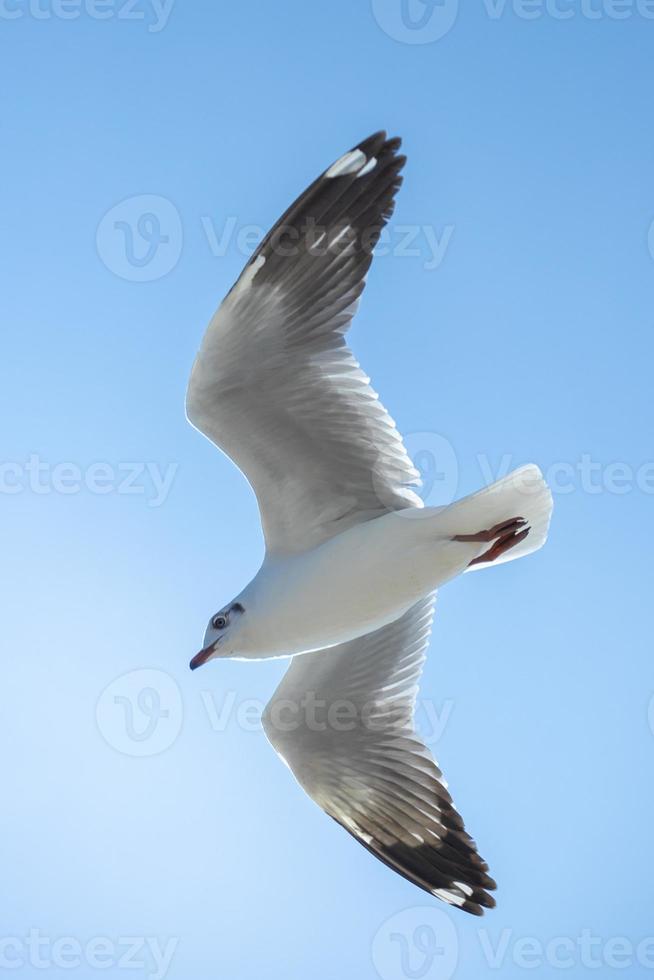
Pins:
<point x="350" y="163"/>
<point x="248" y="275"/>
<point x="371" y="164"/>
<point x="450" y="897"/>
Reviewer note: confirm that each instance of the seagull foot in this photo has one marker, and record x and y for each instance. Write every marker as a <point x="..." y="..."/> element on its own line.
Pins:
<point x="504" y="537"/>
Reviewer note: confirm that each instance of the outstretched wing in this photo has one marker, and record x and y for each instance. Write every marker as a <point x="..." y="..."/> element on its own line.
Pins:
<point x="274" y="384"/>
<point x="342" y="720"/>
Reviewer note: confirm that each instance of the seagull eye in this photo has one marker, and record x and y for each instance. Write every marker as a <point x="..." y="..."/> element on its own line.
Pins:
<point x="219" y="622"/>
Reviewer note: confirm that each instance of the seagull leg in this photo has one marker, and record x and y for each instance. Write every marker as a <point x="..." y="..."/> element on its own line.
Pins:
<point x="505" y="536"/>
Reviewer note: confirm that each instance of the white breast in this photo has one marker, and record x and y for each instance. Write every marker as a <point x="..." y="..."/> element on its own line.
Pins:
<point x="352" y="584"/>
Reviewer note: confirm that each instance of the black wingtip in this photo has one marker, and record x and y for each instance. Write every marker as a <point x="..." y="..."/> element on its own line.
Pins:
<point x="378" y="143"/>
<point x="372" y="144"/>
<point x="425" y="867"/>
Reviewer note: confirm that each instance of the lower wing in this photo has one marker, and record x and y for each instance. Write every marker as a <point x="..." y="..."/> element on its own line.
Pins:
<point x="342" y="720"/>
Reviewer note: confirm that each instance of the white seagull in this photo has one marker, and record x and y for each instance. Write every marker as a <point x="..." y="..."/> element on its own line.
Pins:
<point x="353" y="559"/>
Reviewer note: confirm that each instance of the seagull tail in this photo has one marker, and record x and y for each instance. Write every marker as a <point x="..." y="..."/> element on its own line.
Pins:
<point x="522" y="494"/>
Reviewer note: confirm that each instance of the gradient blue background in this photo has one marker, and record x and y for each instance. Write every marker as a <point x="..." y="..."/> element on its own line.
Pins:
<point x="532" y="339"/>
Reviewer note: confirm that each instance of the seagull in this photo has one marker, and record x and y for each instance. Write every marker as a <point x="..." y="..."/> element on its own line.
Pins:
<point x="352" y="557"/>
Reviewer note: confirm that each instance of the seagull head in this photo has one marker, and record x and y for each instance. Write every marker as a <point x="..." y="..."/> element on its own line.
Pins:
<point x="220" y="635"/>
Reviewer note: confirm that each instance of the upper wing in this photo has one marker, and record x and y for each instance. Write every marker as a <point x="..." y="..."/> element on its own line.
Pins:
<point x="342" y="719"/>
<point x="274" y="384"/>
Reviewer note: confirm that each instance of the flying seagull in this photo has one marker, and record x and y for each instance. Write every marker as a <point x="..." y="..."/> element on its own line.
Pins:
<point x="353" y="559"/>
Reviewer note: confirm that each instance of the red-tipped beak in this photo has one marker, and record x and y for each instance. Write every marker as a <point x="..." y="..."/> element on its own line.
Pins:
<point x="202" y="657"/>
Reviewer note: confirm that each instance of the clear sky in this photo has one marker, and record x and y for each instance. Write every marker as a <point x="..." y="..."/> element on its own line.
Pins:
<point x="509" y="320"/>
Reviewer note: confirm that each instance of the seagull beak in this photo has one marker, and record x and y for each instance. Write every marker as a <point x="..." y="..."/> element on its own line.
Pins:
<point x="204" y="655"/>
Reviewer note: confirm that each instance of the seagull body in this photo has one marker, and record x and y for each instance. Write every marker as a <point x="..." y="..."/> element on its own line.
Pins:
<point x="353" y="559"/>
<point x="358" y="581"/>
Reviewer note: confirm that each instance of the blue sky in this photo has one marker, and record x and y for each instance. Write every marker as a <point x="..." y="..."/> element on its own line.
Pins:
<point x="143" y="145"/>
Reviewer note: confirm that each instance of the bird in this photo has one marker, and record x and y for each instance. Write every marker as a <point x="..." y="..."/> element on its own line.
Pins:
<point x="353" y="559"/>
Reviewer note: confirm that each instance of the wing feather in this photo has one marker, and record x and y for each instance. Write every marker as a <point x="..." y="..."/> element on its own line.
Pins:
<point x="274" y="384"/>
<point x="342" y="719"/>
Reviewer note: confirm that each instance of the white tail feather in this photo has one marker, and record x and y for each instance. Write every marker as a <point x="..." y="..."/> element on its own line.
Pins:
<point x="522" y="493"/>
